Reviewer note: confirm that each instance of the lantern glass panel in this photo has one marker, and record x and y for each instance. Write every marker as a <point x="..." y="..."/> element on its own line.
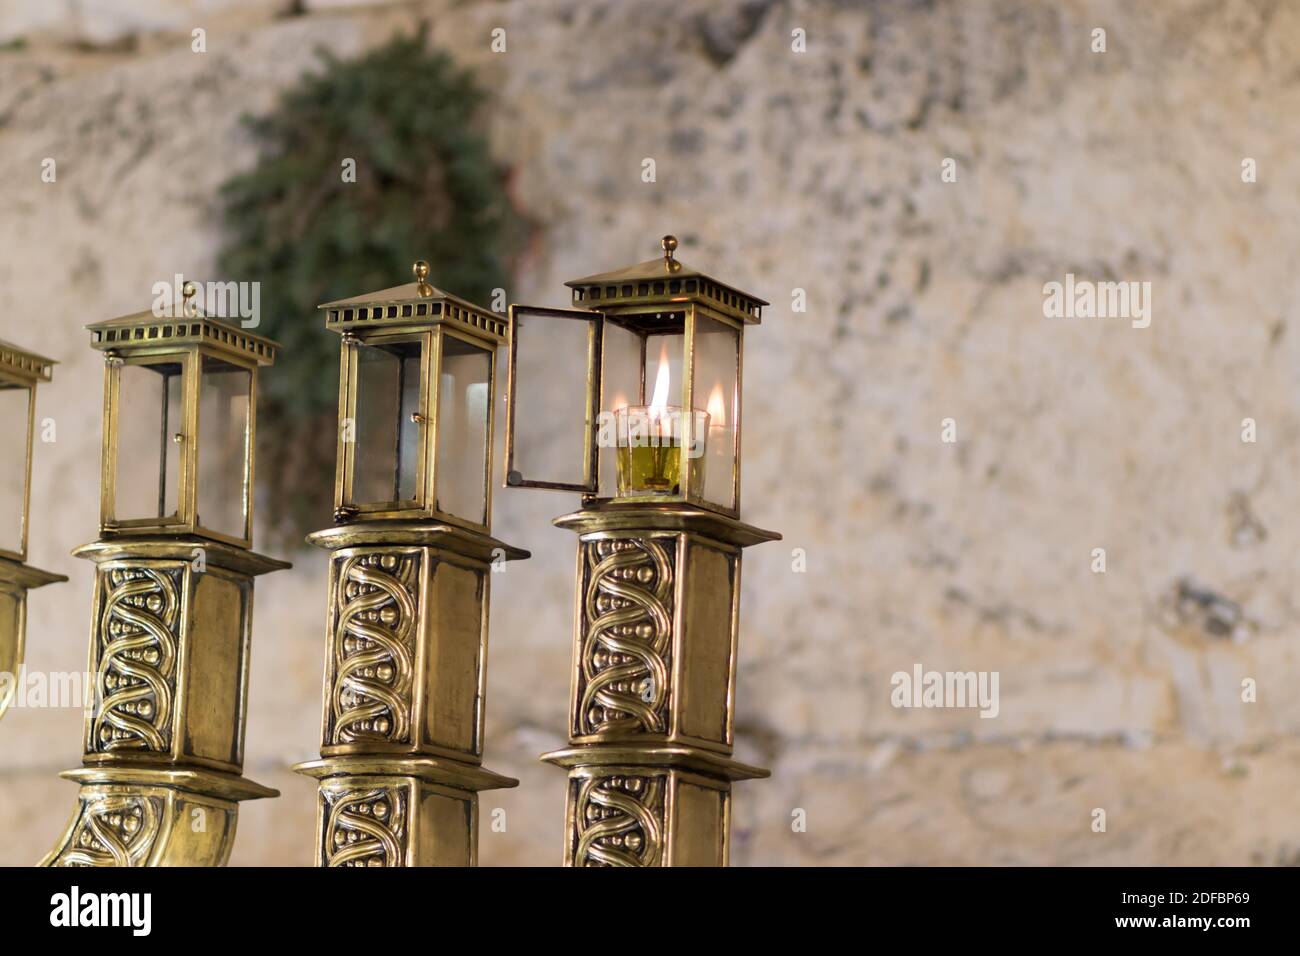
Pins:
<point x="622" y="362"/>
<point x="386" y="453"/>
<point x="149" y="414"/>
<point x="464" y="415"/>
<point x="551" y="431"/>
<point x="15" y="442"/>
<point x="225" y="398"/>
<point x="717" y="391"/>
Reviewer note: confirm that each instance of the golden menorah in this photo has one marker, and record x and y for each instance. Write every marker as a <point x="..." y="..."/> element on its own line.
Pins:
<point x="631" y="399"/>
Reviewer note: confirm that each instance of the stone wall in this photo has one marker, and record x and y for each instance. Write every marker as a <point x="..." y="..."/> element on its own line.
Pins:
<point x="818" y="171"/>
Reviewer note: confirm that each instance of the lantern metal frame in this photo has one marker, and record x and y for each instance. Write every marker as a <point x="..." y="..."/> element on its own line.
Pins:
<point x="638" y="299"/>
<point x="145" y="339"/>
<point x="24" y="370"/>
<point x="415" y="312"/>
<point x="21" y="369"/>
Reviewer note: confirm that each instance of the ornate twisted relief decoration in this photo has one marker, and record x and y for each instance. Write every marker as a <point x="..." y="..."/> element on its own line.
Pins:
<point x="370" y="699"/>
<point x="626" y="639"/>
<point x="136" y="674"/>
<point x="114" y="830"/>
<point x="365" y="828"/>
<point x="619" y="820"/>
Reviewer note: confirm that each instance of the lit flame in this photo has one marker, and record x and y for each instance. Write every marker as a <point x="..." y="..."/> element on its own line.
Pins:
<point x="620" y="401"/>
<point x="717" y="407"/>
<point x="660" y="398"/>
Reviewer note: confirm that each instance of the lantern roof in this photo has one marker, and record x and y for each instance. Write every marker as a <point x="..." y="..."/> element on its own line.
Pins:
<point x="190" y="327"/>
<point x="666" y="279"/>
<point x="19" y="363"/>
<point x="416" y="303"/>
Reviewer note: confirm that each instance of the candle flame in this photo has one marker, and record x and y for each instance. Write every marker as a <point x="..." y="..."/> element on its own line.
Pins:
<point x="620" y="401"/>
<point x="660" y="398"/>
<point x="717" y="407"/>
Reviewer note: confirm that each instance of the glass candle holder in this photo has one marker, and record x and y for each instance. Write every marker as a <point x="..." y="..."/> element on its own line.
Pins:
<point x="652" y="441"/>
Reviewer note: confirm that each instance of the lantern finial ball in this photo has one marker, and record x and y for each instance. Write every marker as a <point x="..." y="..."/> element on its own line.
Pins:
<point x="421" y="272"/>
<point x="669" y="244"/>
<point x="188" y="289"/>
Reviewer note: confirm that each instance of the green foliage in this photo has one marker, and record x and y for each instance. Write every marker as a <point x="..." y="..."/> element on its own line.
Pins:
<point x="425" y="188"/>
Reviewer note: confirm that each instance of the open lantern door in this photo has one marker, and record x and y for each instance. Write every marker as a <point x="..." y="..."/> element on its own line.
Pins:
<point x="553" y="399"/>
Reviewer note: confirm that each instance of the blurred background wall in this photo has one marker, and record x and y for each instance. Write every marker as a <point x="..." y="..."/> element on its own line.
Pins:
<point x="779" y="171"/>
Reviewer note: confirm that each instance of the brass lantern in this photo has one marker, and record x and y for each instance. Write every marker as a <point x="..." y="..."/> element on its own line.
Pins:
<point x="415" y="406"/>
<point x="411" y="560"/>
<point x="20" y="371"/>
<point x="659" y="346"/>
<point x="172" y="618"/>
<point x="634" y="401"/>
<point x="179" y="405"/>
